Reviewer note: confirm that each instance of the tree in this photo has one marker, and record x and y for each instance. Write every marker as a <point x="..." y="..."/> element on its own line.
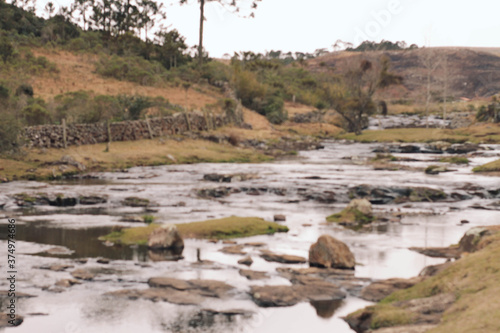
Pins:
<point x="430" y="62"/>
<point x="352" y="97"/>
<point x="148" y="11"/>
<point x="225" y="3"/>
<point x="50" y="9"/>
<point x="171" y="47"/>
<point x="6" y="49"/>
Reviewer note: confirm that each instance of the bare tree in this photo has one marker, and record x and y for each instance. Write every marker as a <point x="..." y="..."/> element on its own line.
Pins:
<point x="430" y="63"/>
<point x="225" y="3"/>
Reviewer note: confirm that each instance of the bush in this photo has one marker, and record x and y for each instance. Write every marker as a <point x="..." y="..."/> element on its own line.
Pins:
<point x="6" y="49"/>
<point x="9" y="132"/>
<point x="134" y="105"/>
<point x="216" y="72"/>
<point x="4" y="93"/>
<point x="24" y="89"/>
<point x="133" y="69"/>
<point x="36" y="113"/>
<point x="73" y="106"/>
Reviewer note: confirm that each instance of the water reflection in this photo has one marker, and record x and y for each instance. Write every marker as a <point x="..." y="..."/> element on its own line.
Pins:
<point x="326" y="309"/>
<point x="84" y="242"/>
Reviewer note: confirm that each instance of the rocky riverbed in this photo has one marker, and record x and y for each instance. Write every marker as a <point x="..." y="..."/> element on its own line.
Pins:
<point x="82" y="284"/>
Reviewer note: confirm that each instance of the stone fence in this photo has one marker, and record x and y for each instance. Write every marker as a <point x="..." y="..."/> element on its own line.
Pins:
<point x="60" y="136"/>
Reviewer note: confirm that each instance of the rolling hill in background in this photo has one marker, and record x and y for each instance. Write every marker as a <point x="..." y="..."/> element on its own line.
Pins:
<point x="472" y="72"/>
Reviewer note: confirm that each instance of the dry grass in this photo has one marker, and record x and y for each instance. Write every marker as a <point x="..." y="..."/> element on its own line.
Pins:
<point x="492" y="167"/>
<point x="314" y="129"/>
<point x="77" y="72"/>
<point x="480" y="133"/>
<point x="474" y="279"/>
<point x="36" y="163"/>
<point x="297" y="108"/>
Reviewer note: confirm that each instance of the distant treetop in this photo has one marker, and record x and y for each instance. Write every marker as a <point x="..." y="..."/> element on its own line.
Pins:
<point x="384" y="45"/>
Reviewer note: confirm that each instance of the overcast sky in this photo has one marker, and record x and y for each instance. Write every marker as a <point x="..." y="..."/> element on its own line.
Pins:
<point x="293" y="25"/>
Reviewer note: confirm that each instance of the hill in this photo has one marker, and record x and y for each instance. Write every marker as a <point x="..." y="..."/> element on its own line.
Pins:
<point x="472" y="72"/>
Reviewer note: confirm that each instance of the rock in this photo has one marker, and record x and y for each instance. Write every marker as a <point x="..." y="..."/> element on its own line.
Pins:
<point x="229" y="178"/>
<point x="103" y="261"/>
<point x="382" y="195"/>
<point x="312" y="290"/>
<point x="67" y="282"/>
<point x="426" y="311"/>
<point x="279" y="218"/>
<point x="165" y="282"/>
<point x="436" y="169"/>
<point x="165" y="237"/>
<point x="229" y="242"/>
<point x="69" y="160"/>
<point x="92" y="200"/>
<point x="218" y="192"/>
<point x="5" y="318"/>
<point x="253" y="275"/>
<point x="428" y="305"/>
<point x="433" y="270"/>
<point x="135" y="202"/>
<point x="275" y="296"/>
<point x="330" y="253"/>
<point x="246" y="261"/>
<point x="255" y="244"/>
<point x="282" y="258"/>
<point x="207" y="288"/>
<point x="439" y="252"/>
<point x="379" y="290"/>
<point x="235" y="249"/>
<point x="160" y="294"/>
<point x="471" y="241"/>
<point x="56" y="267"/>
<point x="362" y="205"/>
<point x="83" y="274"/>
<point x="462" y="149"/>
<point x="59" y="251"/>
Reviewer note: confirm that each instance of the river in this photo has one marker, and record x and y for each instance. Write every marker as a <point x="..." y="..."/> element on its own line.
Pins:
<point x="381" y="252"/>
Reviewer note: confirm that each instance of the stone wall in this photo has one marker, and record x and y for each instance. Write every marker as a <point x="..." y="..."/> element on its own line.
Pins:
<point x="51" y="136"/>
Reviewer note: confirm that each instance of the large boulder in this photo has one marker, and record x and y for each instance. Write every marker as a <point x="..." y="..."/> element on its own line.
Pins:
<point x="331" y="253"/>
<point x="362" y="205"/>
<point x="165" y="237"/>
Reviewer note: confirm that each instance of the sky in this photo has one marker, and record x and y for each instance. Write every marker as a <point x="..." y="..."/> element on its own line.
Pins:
<point x="293" y="25"/>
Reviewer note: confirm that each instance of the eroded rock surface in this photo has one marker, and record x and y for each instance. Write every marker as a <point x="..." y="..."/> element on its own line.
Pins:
<point x="331" y="253"/>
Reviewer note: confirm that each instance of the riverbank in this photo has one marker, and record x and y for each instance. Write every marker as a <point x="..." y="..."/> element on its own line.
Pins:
<point x="460" y="298"/>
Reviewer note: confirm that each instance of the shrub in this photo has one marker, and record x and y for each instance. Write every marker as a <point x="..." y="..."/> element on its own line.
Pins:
<point x="6" y="49"/>
<point x="134" y="105"/>
<point x="134" y="69"/>
<point x="24" y="89"/>
<point x="73" y="106"/>
<point x="4" y="93"/>
<point x="216" y="72"/>
<point x="36" y="113"/>
<point x="9" y="132"/>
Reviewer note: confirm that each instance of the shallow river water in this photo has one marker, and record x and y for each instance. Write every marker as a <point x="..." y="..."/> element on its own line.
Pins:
<point x="380" y="253"/>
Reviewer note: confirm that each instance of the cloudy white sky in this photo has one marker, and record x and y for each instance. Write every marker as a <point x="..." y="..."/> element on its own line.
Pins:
<point x="298" y="25"/>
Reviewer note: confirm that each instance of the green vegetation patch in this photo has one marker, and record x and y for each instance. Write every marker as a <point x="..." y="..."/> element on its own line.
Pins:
<point x="488" y="167"/>
<point x="351" y="218"/>
<point x="455" y="160"/>
<point x="229" y="227"/>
